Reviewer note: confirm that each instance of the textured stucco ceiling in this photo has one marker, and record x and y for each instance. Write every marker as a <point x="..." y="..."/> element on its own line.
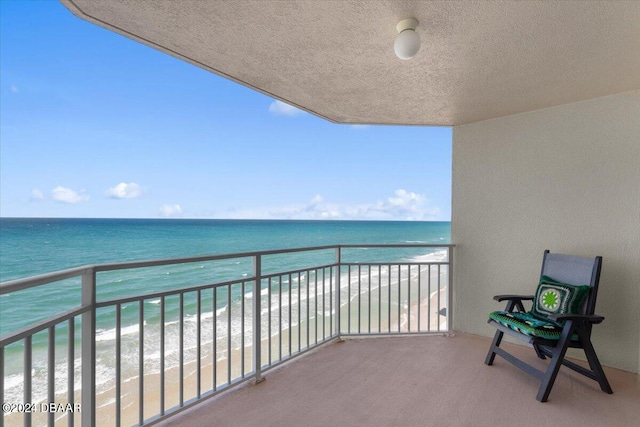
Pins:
<point x="335" y="59"/>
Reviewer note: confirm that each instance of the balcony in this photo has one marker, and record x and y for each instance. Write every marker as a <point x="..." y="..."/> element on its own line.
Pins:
<point x="148" y="358"/>
<point x="191" y="333"/>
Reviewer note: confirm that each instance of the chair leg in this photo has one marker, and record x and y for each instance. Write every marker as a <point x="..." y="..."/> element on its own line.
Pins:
<point x="596" y="367"/>
<point x="495" y="344"/>
<point x="557" y="355"/>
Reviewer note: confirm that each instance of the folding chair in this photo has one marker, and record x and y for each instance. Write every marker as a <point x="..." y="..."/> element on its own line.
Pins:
<point x="561" y="317"/>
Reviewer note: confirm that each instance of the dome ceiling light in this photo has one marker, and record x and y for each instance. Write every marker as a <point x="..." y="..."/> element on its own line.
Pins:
<point x="407" y="43"/>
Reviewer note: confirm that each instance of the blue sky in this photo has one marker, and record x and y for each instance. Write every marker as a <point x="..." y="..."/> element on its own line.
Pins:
<point x="93" y="124"/>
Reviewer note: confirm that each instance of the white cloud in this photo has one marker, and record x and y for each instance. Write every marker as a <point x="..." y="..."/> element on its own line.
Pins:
<point x="37" y="194"/>
<point x="402" y="205"/>
<point x="280" y="108"/>
<point x="67" y="195"/>
<point x="14" y="89"/>
<point x="408" y="205"/>
<point x="125" y="191"/>
<point x="360" y="127"/>
<point x="405" y="199"/>
<point x="170" y="211"/>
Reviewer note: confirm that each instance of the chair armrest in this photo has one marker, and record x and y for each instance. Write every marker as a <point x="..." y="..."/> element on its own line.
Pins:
<point x="500" y="298"/>
<point x="514" y="301"/>
<point x="591" y="318"/>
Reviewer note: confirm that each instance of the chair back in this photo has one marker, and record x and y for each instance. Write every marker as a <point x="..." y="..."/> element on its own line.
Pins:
<point x="574" y="270"/>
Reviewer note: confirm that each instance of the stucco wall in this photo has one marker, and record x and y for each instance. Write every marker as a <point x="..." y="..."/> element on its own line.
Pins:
<point x="565" y="179"/>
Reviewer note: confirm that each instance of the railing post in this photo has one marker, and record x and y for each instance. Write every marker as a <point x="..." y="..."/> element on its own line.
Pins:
<point x="89" y="348"/>
<point x="450" y="292"/>
<point x="337" y="293"/>
<point x="257" y="319"/>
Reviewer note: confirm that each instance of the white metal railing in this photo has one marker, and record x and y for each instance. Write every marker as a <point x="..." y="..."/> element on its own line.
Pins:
<point x="161" y="350"/>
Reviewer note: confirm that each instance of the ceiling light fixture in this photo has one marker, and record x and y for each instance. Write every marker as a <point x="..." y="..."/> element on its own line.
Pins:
<point x="408" y="41"/>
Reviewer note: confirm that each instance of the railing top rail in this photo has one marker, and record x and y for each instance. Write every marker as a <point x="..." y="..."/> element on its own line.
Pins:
<point x="43" y="279"/>
<point x="24" y="283"/>
<point x="154" y="263"/>
<point x="398" y="245"/>
<point x="41" y="325"/>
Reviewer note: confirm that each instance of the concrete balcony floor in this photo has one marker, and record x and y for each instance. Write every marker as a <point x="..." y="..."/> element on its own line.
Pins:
<point x="417" y="381"/>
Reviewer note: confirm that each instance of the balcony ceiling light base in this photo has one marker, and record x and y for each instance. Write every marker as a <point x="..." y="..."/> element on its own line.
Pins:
<point x="407" y="24"/>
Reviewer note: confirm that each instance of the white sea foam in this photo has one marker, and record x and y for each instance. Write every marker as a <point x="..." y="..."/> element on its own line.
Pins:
<point x="263" y="292"/>
<point x="13" y="380"/>
<point x="110" y="334"/>
<point x="107" y="402"/>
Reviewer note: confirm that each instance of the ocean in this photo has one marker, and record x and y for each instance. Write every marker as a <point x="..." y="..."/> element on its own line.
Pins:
<point x="34" y="246"/>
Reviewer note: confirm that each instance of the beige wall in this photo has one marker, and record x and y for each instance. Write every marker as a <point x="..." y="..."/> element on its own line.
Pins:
<point x="565" y="179"/>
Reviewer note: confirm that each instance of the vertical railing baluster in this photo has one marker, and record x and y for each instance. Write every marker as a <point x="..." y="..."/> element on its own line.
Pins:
<point x="228" y="334"/>
<point x="369" y="296"/>
<point x="389" y="302"/>
<point x="315" y="301"/>
<point x="379" y="298"/>
<point x="71" y="349"/>
<point x="27" y="378"/>
<point x="299" y="313"/>
<point x="257" y="318"/>
<point x="359" y="297"/>
<point x="439" y="305"/>
<point x="2" y="383"/>
<point x="118" y="364"/>
<point x="349" y="302"/>
<point x="409" y="298"/>
<point x="450" y="291"/>
<point x="324" y="310"/>
<point x="141" y="363"/>
<point x="429" y="299"/>
<point x="181" y="347"/>
<point x="270" y="320"/>
<point x="330" y="301"/>
<point x="290" y="334"/>
<point x="242" y="303"/>
<point x="214" y="374"/>
<point x="338" y="307"/>
<point x="308" y="317"/>
<point x="399" y="295"/>
<point x="88" y="348"/>
<point x="199" y="344"/>
<point x="419" y="296"/>
<point x="51" y="373"/>
<point x="279" y="317"/>
<point x="162" y="351"/>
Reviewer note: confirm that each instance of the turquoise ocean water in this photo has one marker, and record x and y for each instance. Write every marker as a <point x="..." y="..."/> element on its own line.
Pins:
<point x="32" y="246"/>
